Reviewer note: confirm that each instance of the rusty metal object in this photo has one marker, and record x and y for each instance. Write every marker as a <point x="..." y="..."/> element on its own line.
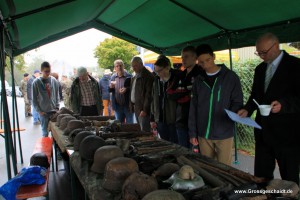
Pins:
<point x="146" y="150"/>
<point x="208" y="177"/>
<point x="130" y="127"/>
<point x="124" y="134"/>
<point x="98" y="118"/>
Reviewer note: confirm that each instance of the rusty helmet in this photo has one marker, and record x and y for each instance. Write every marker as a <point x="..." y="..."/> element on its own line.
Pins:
<point x="89" y="145"/>
<point x="74" y="133"/>
<point x="137" y="185"/>
<point x="65" y="110"/>
<point x="59" y="117"/>
<point x="163" y="195"/>
<point x="79" y="137"/>
<point x="117" y="171"/>
<point x="64" y="122"/>
<point x="73" y="124"/>
<point x="39" y="159"/>
<point x="103" y="155"/>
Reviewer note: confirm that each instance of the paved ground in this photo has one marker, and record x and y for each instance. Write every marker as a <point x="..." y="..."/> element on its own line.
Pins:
<point x="32" y="132"/>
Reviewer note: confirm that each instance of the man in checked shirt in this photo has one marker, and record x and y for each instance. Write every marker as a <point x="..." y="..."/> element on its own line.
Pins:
<point x="85" y="94"/>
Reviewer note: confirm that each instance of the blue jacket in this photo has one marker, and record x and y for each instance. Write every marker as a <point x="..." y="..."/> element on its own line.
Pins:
<point x="207" y="117"/>
<point x="104" y="87"/>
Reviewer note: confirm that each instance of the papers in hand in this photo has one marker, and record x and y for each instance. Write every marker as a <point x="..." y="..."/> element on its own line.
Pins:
<point x="243" y="120"/>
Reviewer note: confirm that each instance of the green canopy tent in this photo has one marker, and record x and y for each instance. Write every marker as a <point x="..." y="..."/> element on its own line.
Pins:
<point x="164" y="26"/>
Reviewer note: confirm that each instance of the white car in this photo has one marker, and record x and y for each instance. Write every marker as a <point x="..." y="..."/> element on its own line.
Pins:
<point x="17" y="89"/>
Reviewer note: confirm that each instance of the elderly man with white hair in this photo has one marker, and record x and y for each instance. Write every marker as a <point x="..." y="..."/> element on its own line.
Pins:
<point x="141" y="93"/>
<point x="85" y="94"/>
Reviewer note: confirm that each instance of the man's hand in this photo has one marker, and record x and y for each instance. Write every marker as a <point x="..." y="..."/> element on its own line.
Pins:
<point x="153" y="125"/>
<point x="194" y="141"/>
<point x="276" y="107"/>
<point x="112" y="84"/>
<point x="122" y="90"/>
<point x="143" y="114"/>
<point x="242" y="113"/>
<point x="42" y="113"/>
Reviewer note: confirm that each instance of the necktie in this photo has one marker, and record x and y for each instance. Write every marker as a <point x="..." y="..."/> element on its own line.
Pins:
<point x="268" y="76"/>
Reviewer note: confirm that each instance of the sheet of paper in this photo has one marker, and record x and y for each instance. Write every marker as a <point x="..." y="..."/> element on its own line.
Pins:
<point x="246" y="120"/>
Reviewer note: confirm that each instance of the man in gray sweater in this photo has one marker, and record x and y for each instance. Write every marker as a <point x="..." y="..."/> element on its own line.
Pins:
<point x="45" y="96"/>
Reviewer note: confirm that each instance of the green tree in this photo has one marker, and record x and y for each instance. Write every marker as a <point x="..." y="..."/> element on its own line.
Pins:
<point x="112" y="49"/>
<point x="19" y="69"/>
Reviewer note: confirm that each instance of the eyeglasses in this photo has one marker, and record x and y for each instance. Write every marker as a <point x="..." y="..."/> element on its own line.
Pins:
<point x="46" y="71"/>
<point x="263" y="53"/>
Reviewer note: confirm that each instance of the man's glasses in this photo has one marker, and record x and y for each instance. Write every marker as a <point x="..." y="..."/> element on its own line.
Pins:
<point x="263" y="53"/>
<point x="158" y="71"/>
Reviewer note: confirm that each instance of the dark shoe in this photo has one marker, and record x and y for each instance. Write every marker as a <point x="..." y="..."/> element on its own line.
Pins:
<point x="26" y="115"/>
<point x="29" y="114"/>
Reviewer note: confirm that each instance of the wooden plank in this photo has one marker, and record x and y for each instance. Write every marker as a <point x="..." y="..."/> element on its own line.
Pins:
<point x="43" y="145"/>
<point x="12" y="130"/>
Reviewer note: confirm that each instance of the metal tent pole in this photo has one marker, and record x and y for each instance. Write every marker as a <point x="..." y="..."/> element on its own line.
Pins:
<point x="15" y="111"/>
<point x="7" y="129"/>
<point x="236" y="161"/>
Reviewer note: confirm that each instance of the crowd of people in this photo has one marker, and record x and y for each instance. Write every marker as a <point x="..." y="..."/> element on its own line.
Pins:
<point x="188" y="107"/>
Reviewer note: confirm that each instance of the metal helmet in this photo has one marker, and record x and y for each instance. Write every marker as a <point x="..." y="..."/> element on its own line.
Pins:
<point x="73" y="124"/>
<point x="103" y="155"/>
<point x="64" y="110"/>
<point x="89" y="145"/>
<point x="79" y="137"/>
<point x="39" y="159"/>
<point x="74" y="133"/>
<point x="137" y="185"/>
<point x="166" y="170"/>
<point x="116" y="172"/>
<point x="59" y="117"/>
<point x="163" y="195"/>
<point x="64" y="122"/>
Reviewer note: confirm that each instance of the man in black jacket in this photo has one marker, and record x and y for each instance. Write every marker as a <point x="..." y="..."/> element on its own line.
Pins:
<point x="276" y="83"/>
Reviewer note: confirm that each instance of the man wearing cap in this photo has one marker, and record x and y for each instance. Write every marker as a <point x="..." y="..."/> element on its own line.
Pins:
<point x="104" y="88"/>
<point x="85" y="94"/>
<point x="35" y="115"/>
<point x="45" y="96"/>
<point x="120" y="88"/>
<point x="66" y="90"/>
<point x="23" y="89"/>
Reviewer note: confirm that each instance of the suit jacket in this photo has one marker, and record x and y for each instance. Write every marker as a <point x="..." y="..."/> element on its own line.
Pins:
<point x="143" y="92"/>
<point x="282" y="128"/>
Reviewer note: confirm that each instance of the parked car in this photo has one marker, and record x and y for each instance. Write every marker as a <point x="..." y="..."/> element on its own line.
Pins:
<point x="17" y="89"/>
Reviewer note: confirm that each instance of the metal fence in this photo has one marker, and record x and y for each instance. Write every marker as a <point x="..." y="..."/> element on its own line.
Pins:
<point x="245" y="134"/>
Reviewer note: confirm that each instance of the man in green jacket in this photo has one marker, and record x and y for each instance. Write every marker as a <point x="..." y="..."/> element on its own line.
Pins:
<point x="85" y="94"/>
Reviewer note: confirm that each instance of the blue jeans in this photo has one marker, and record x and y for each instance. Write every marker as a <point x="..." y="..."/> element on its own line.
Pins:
<point x="122" y="113"/>
<point x="44" y="124"/>
<point x="167" y="132"/>
<point x="183" y="137"/>
<point x="35" y="115"/>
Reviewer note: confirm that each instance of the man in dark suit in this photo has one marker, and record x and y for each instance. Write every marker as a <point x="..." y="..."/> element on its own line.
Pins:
<point x="276" y="83"/>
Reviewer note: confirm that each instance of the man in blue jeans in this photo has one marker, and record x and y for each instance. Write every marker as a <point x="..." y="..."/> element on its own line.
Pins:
<point x="120" y="86"/>
<point x="45" y="93"/>
<point x="35" y="115"/>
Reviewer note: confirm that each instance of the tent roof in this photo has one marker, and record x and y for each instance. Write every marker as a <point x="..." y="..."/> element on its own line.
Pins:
<point x="162" y="26"/>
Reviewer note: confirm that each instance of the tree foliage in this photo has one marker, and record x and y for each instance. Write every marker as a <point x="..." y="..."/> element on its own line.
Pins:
<point x="19" y="69"/>
<point x="112" y="49"/>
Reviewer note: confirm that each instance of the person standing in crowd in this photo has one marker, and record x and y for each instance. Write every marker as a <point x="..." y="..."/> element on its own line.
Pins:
<point x="66" y="90"/>
<point x="35" y="114"/>
<point x="104" y="88"/>
<point x="55" y="75"/>
<point x="23" y="89"/>
<point x="85" y="94"/>
<point x="141" y="93"/>
<point x="45" y="96"/>
<point x="183" y="93"/>
<point x="120" y="88"/>
<point x="215" y="90"/>
<point x="276" y="83"/>
<point x="163" y="108"/>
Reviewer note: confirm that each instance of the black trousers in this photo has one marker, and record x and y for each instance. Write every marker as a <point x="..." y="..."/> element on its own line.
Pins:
<point x="89" y="111"/>
<point x="287" y="158"/>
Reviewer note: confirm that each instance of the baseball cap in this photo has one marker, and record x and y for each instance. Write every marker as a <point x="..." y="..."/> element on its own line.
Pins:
<point x="81" y="71"/>
<point x="36" y="71"/>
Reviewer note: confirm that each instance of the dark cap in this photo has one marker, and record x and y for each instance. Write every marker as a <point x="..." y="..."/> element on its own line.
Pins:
<point x="36" y="71"/>
<point x="26" y="74"/>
